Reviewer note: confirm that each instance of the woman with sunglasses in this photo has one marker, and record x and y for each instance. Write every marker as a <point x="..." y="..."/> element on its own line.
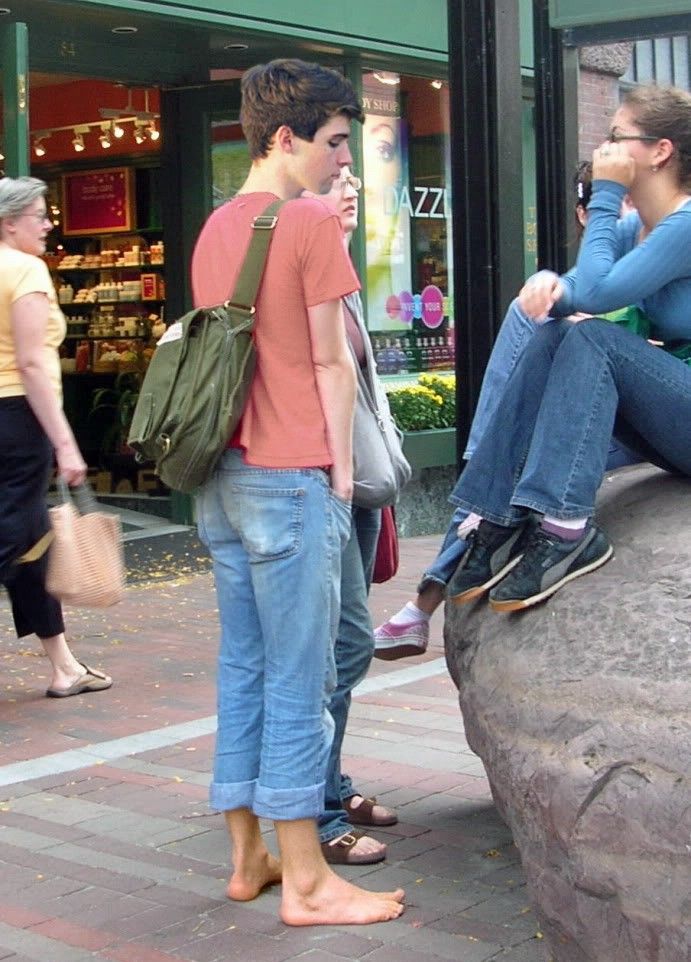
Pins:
<point x="345" y="807"/>
<point x="545" y="448"/>
<point x="33" y="429"/>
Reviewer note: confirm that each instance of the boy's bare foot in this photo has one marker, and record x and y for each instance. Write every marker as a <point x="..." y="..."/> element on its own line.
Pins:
<point x="248" y="880"/>
<point x="333" y="901"/>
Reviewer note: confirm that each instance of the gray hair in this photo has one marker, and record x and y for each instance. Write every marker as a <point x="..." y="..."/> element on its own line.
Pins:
<point x="16" y="193"/>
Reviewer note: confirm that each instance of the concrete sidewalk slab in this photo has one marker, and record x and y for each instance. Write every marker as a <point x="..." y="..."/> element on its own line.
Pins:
<point x="108" y="849"/>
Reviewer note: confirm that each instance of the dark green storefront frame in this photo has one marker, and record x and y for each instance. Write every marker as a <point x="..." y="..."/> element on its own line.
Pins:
<point x="388" y="35"/>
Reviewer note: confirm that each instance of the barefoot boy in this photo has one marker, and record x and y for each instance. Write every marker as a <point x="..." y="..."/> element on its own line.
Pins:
<point x="277" y="510"/>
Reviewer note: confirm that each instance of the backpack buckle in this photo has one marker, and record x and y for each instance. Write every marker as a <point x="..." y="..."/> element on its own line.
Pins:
<point x="264" y="222"/>
<point x="247" y="309"/>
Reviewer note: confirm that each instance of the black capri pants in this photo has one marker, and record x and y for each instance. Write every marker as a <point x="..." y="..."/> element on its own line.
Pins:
<point x="26" y="463"/>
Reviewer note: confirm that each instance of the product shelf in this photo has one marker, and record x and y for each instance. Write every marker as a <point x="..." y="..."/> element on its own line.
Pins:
<point x="142" y="268"/>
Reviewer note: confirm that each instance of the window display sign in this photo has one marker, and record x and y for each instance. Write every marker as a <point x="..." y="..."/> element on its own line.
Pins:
<point x="97" y="201"/>
<point x="407" y="222"/>
<point x="385" y="177"/>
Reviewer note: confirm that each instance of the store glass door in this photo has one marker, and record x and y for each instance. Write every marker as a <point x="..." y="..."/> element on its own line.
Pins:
<point x="205" y="162"/>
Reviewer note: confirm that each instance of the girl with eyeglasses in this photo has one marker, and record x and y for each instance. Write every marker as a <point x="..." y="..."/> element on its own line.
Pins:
<point x="546" y="446"/>
<point x="662" y="112"/>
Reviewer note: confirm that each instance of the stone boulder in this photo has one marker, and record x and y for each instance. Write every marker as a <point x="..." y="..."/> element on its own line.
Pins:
<point x="580" y="709"/>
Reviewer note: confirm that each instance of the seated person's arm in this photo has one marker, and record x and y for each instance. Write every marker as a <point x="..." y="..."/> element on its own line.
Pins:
<point x="546" y="294"/>
<point x="607" y="280"/>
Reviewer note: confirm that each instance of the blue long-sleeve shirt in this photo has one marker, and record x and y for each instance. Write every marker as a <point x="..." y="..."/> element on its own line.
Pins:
<point x="613" y="271"/>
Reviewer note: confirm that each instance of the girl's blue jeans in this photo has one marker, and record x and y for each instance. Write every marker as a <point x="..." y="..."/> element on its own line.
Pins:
<point x="514" y="335"/>
<point x="354" y="651"/>
<point x="546" y="445"/>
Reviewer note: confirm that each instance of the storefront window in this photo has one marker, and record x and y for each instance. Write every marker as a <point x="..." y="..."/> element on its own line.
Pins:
<point x="408" y="222"/>
<point x="230" y="159"/>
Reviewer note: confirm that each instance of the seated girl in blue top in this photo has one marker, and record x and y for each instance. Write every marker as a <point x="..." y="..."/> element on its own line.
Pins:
<point x="577" y="382"/>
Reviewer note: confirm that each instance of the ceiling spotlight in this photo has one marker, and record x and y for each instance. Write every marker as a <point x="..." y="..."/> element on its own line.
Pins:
<point x="125" y="29"/>
<point x="104" y="136"/>
<point x="117" y="129"/>
<point x="437" y="84"/>
<point x="236" y="46"/>
<point x="387" y="77"/>
<point x="139" y="131"/>
<point x="78" y="139"/>
<point x="153" y="131"/>
<point x="39" y="145"/>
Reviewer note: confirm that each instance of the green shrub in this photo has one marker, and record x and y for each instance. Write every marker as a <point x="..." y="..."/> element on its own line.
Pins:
<point x="431" y="403"/>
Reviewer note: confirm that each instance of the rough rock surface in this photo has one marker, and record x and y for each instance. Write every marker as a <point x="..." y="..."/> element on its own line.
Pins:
<point x="581" y="712"/>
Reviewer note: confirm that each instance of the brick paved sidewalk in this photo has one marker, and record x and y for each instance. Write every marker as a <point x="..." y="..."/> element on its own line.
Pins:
<point x="108" y="849"/>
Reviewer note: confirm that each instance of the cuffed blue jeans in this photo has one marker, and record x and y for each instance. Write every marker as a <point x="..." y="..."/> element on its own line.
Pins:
<point x="545" y="448"/>
<point x="354" y="651"/>
<point x="275" y="537"/>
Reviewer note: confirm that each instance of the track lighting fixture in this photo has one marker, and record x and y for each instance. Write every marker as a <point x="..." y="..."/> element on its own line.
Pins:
<point x="39" y="145"/>
<point x="78" y="141"/>
<point x="112" y="127"/>
<point x="139" y="131"/>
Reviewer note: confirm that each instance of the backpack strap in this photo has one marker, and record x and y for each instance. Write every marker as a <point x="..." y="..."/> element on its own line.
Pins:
<point x="250" y="276"/>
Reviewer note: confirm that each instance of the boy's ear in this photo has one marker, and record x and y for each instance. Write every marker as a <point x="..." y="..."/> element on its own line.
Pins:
<point x="283" y="138"/>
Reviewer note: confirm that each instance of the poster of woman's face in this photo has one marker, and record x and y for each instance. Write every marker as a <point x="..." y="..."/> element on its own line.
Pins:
<point x="387" y="225"/>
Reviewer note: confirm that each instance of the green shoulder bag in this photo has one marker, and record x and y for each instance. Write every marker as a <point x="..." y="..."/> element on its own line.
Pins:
<point x="197" y="383"/>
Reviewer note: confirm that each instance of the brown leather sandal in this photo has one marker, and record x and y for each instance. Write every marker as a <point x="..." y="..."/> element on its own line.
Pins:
<point x="363" y="814"/>
<point x="339" y="851"/>
<point x="92" y="680"/>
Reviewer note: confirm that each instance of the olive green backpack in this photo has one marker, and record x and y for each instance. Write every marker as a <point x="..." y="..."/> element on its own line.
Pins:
<point x="197" y="383"/>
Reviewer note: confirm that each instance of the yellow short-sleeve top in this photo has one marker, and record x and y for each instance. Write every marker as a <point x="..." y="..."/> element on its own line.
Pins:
<point x="22" y="274"/>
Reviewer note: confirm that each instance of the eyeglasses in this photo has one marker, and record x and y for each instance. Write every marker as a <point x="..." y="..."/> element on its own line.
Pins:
<point x="351" y="181"/>
<point x="615" y="138"/>
<point x="41" y="218"/>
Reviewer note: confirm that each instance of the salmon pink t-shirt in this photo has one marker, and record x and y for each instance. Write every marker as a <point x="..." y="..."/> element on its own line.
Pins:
<point x="283" y="423"/>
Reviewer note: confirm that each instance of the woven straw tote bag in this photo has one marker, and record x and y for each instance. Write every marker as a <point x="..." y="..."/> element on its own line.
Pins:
<point x="85" y="564"/>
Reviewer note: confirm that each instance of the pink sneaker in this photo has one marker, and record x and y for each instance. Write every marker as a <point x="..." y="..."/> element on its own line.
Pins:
<point x="400" y="641"/>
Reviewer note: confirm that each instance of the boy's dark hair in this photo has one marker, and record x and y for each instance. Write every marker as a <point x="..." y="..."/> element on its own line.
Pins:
<point x="303" y="96"/>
